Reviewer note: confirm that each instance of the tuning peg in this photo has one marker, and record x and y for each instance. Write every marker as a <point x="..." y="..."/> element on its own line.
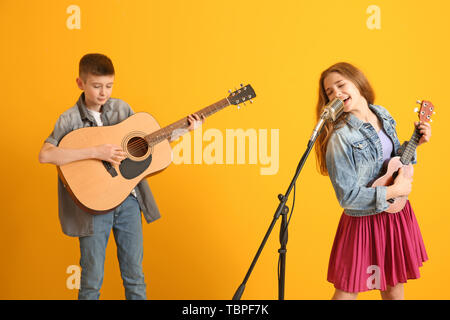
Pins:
<point x="416" y="109"/>
<point x="434" y="112"/>
<point x="242" y="85"/>
<point x="431" y="120"/>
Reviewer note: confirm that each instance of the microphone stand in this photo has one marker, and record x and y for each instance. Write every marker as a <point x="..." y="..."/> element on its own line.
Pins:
<point x="281" y="210"/>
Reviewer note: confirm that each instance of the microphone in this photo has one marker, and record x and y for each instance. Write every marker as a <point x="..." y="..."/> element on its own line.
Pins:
<point x="331" y="111"/>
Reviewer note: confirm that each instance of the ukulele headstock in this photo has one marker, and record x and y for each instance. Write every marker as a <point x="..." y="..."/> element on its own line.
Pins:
<point x="241" y="95"/>
<point x="425" y="111"/>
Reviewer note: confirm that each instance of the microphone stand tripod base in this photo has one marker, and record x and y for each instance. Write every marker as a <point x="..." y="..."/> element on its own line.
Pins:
<point x="281" y="210"/>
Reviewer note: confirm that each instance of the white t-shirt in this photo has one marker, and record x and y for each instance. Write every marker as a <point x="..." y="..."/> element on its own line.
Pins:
<point x="97" y="117"/>
<point x="99" y="121"/>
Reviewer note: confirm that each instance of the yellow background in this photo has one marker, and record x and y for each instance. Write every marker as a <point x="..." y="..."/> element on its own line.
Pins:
<point x="175" y="57"/>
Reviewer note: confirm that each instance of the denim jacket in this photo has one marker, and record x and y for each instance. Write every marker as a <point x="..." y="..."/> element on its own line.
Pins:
<point x="354" y="159"/>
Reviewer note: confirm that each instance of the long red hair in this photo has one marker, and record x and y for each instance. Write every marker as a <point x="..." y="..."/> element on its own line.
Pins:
<point x="356" y="76"/>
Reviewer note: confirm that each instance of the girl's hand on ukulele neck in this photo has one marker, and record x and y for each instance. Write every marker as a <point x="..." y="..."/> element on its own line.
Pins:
<point x="425" y="130"/>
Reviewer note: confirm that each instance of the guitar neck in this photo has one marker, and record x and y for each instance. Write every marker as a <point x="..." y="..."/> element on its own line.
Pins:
<point x="166" y="132"/>
<point x="410" y="149"/>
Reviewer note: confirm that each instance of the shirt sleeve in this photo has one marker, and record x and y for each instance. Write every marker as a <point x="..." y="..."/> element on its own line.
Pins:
<point x="344" y="178"/>
<point x="61" y="129"/>
<point x="129" y="109"/>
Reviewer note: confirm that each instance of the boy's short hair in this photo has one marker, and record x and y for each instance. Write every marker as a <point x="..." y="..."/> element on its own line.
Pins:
<point x="97" y="64"/>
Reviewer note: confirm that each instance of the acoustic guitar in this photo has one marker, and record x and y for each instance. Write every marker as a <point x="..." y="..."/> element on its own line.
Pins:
<point x="390" y="171"/>
<point x="98" y="186"/>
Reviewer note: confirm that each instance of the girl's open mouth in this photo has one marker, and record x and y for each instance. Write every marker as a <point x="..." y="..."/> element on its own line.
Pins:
<point x="347" y="100"/>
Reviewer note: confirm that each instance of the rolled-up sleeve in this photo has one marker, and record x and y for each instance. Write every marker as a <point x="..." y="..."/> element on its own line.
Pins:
<point x="344" y="178"/>
<point x="61" y="128"/>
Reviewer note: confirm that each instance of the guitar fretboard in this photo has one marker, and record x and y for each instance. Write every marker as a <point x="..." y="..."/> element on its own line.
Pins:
<point x="166" y="132"/>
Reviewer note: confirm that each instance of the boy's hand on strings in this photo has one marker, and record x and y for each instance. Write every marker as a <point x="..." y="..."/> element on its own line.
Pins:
<point x="110" y="153"/>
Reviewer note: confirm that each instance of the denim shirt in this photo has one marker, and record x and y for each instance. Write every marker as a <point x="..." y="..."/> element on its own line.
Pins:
<point x="354" y="159"/>
<point x="74" y="221"/>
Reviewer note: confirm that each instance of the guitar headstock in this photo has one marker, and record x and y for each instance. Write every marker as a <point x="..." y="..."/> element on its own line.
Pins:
<point x="241" y="95"/>
<point x="425" y="111"/>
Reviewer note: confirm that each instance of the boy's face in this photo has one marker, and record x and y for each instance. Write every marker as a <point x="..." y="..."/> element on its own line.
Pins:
<point x="97" y="89"/>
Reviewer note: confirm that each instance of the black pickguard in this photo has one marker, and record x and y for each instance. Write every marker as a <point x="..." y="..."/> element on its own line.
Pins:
<point x="131" y="169"/>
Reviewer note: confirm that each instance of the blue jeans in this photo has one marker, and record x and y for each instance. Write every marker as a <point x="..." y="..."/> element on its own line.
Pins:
<point x="126" y="223"/>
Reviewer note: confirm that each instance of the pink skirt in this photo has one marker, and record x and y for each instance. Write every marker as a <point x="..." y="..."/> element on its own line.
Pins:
<point x="371" y="252"/>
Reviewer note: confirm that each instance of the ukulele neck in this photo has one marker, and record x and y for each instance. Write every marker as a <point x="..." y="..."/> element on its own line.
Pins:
<point x="411" y="146"/>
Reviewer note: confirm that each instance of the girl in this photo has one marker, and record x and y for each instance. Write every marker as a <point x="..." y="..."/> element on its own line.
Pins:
<point x="372" y="249"/>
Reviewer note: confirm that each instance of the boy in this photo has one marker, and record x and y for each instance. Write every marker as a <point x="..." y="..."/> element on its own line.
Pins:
<point x="95" y="108"/>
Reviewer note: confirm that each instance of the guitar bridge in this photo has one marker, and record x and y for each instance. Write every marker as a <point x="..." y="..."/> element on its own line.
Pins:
<point x="109" y="168"/>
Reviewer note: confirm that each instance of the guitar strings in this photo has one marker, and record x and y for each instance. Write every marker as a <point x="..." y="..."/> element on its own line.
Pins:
<point x="142" y="143"/>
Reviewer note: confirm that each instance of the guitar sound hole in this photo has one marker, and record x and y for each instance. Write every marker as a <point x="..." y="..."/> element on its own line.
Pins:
<point x="137" y="147"/>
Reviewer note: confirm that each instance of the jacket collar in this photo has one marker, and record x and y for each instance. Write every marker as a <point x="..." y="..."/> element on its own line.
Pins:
<point x="357" y="123"/>
<point x="84" y="111"/>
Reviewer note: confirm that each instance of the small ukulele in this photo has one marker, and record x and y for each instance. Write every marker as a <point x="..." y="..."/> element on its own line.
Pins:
<point x="395" y="163"/>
